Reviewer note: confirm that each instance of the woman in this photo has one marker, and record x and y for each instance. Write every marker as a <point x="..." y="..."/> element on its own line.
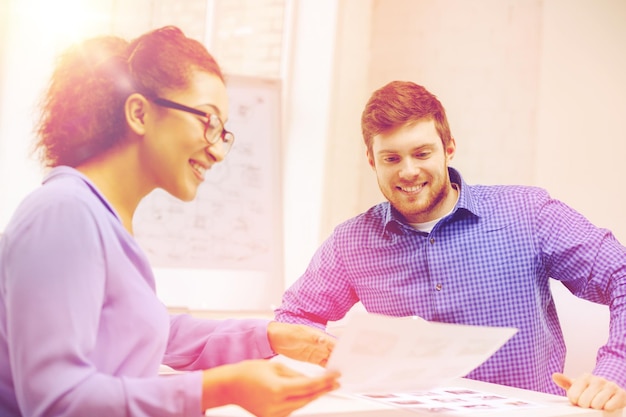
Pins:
<point x="82" y="332"/>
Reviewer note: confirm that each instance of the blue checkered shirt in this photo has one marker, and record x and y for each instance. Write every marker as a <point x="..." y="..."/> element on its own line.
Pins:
<point x="487" y="263"/>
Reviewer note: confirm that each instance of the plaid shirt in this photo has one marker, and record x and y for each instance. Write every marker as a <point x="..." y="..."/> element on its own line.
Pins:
<point x="487" y="263"/>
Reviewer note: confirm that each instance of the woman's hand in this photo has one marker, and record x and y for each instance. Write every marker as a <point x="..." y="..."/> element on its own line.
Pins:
<point x="301" y="342"/>
<point x="591" y="391"/>
<point x="263" y="388"/>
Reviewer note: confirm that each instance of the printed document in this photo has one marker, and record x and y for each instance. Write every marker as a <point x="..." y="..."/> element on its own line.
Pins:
<point x="378" y="353"/>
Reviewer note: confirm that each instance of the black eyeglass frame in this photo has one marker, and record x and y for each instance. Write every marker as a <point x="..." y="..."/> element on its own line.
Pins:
<point x="226" y="136"/>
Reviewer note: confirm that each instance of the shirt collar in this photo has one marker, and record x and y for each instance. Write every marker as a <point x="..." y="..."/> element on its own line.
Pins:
<point x="467" y="200"/>
<point x="62" y="170"/>
<point x="394" y="222"/>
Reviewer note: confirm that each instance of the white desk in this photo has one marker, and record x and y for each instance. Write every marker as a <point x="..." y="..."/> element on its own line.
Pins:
<point x="333" y="405"/>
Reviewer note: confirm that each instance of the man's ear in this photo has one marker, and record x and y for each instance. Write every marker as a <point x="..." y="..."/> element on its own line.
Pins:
<point x="370" y="159"/>
<point x="450" y="149"/>
<point x="135" y="109"/>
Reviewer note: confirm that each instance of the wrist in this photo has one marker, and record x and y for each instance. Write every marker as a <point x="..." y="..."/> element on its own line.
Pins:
<point x="271" y="330"/>
<point x="216" y="387"/>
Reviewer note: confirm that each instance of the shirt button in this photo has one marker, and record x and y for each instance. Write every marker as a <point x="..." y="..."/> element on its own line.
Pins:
<point x="438" y="287"/>
<point x="432" y="240"/>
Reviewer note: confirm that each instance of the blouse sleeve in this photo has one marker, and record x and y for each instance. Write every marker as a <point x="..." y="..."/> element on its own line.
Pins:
<point x="196" y="343"/>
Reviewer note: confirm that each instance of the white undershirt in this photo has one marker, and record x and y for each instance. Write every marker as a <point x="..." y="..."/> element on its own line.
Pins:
<point x="426" y="227"/>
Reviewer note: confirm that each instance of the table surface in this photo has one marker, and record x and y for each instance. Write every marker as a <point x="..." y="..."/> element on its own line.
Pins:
<point x="342" y="405"/>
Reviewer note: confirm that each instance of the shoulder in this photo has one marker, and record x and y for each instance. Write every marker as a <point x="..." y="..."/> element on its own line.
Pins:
<point x="374" y="215"/>
<point x="61" y="203"/>
<point x="513" y="191"/>
<point x="481" y="199"/>
<point x="506" y="203"/>
<point x="502" y="194"/>
<point x="370" y="223"/>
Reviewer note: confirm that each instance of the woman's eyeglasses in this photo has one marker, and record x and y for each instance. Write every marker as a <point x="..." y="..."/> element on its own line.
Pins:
<point x="214" y="128"/>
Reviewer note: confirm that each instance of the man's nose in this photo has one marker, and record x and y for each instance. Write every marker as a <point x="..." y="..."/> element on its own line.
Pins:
<point x="409" y="168"/>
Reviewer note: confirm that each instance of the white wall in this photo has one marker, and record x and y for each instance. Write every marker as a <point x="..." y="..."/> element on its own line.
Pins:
<point x="26" y="63"/>
<point x="581" y="138"/>
<point x="535" y="94"/>
<point x="581" y="135"/>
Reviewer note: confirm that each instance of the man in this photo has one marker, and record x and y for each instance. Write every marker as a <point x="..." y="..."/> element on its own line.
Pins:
<point x="478" y="255"/>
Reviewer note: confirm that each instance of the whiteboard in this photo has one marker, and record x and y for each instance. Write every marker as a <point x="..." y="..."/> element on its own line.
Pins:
<point x="224" y="250"/>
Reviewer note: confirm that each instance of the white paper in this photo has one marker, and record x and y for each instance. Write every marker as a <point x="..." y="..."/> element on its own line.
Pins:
<point x="451" y="400"/>
<point x="378" y="353"/>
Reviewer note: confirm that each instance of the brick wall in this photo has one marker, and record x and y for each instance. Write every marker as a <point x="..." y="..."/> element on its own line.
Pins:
<point x="246" y="36"/>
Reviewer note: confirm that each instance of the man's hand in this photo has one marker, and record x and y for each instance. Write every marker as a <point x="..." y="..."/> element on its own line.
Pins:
<point x="591" y="391"/>
<point x="301" y="342"/>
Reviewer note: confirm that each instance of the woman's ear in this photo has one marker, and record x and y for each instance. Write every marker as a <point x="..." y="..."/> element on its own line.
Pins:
<point x="135" y="109"/>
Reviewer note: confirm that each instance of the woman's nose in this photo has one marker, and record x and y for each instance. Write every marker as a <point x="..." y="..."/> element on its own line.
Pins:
<point x="216" y="151"/>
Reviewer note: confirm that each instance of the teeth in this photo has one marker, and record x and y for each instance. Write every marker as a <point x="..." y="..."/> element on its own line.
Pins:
<point x="198" y="167"/>
<point x="411" y="189"/>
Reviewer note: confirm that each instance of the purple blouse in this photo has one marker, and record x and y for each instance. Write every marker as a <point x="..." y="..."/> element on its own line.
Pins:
<point x="82" y="332"/>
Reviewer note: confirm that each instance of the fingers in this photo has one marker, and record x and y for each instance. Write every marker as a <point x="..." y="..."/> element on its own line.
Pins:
<point x="576" y="389"/>
<point x="312" y="389"/>
<point x="590" y="391"/>
<point x="561" y="380"/>
<point x="315" y="386"/>
<point x="323" y="347"/>
<point x="327" y="341"/>
<point x="285" y="371"/>
<point x="318" y="345"/>
<point x="607" y="397"/>
<point x="272" y="389"/>
<point x="286" y="407"/>
<point x="300" y="401"/>
<point x="301" y="342"/>
<point x="616" y="402"/>
<point x="599" y="394"/>
<point x="301" y="386"/>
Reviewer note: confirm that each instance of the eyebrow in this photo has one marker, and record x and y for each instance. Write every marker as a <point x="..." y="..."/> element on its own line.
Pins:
<point x="417" y="148"/>
<point x="214" y="107"/>
<point x="216" y="111"/>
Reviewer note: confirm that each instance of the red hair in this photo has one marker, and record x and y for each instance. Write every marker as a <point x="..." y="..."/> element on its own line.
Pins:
<point x="400" y="103"/>
<point x="82" y="112"/>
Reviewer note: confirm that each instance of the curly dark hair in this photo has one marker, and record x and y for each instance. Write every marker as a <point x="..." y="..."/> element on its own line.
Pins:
<point x="82" y="111"/>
